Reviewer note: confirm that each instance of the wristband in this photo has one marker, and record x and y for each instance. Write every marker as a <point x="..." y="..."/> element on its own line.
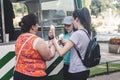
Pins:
<point x="50" y="37"/>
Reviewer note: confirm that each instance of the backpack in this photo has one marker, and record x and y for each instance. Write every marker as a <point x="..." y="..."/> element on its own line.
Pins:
<point x="92" y="56"/>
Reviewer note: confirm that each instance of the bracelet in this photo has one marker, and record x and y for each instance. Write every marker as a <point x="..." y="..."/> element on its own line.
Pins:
<point x="50" y="37"/>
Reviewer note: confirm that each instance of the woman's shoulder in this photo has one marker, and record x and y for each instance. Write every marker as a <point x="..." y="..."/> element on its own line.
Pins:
<point x="76" y="32"/>
<point x="26" y="36"/>
<point x="81" y="32"/>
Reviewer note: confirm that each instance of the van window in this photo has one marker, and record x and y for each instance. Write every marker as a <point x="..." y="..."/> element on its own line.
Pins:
<point x="20" y="10"/>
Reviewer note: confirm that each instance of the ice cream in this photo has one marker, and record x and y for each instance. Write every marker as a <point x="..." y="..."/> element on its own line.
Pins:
<point x="61" y="36"/>
<point x="52" y="29"/>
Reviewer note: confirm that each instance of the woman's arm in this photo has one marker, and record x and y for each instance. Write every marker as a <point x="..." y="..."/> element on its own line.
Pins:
<point x="63" y="41"/>
<point x="47" y="51"/>
<point x="61" y="51"/>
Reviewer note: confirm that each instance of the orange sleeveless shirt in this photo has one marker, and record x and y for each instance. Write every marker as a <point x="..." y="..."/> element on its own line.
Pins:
<point x="30" y="61"/>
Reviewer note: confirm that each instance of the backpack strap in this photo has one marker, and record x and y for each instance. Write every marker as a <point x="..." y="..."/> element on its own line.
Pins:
<point x="86" y="33"/>
<point x="76" y="47"/>
<point x="78" y="53"/>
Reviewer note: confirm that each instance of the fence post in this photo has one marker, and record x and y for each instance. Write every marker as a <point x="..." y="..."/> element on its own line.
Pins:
<point x="107" y="66"/>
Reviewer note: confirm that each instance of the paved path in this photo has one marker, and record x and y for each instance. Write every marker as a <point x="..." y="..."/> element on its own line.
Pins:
<point x="105" y="55"/>
<point x="111" y="76"/>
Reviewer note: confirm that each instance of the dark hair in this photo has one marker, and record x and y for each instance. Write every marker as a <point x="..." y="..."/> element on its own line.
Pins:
<point x="84" y="16"/>
<point x="27" y="22"/>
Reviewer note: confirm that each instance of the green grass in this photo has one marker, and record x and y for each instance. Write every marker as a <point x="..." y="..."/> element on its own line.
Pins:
<point x="102" y="69"/>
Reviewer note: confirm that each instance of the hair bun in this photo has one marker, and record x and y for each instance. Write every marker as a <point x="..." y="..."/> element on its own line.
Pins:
<point x="21" y="24"/>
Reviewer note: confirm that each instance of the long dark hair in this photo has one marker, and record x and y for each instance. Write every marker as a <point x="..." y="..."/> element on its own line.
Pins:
<point x="84" y="16"/>
<point x="27" y="22"/>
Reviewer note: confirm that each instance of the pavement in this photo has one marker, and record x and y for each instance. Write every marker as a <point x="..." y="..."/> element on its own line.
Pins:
<point x="105" y="57"/>
<point x="110" y="76"/>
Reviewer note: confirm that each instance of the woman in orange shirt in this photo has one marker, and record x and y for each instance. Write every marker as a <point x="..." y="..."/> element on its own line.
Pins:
<point x="31" y="51"/>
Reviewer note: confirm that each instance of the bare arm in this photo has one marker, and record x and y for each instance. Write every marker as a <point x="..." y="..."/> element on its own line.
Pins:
<point x="61" y="51"/>
<point x="46" y="51"/>
<point x="63" y="41"/>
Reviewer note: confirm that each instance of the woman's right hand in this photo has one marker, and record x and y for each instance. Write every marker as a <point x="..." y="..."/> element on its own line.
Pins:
<point x="50" y="35"/>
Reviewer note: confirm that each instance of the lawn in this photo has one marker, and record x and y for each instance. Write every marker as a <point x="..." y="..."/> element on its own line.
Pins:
<point x="102" y="69"/>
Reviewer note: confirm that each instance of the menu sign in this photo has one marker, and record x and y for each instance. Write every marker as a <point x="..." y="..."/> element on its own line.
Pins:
<point x="1" y="34"/>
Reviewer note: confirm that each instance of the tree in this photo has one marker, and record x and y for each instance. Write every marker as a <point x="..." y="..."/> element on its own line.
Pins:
<point x="95" y="7"/>
<point x="117" y="5"/>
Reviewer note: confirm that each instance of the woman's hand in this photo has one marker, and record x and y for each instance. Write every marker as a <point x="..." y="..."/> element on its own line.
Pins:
<point x="50" y="35"/>
<point x="55" y="41"/>
<point x="63" y="41"/>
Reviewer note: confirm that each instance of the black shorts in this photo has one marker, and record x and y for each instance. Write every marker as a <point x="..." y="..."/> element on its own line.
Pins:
<point x="20" y="76"/>
<point x="80" y="75"/>
<point x="65" y="72"/>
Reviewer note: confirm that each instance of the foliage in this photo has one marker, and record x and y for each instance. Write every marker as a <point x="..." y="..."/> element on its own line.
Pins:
<point x="95" y="7"/>
<point x="19" y="8"/>
<point x="93" y="30"/>
<point x="101" y="69"/>
<point x="117" y="4"/>
<point x="98" y="6"/>
<point x="119" y="26"/>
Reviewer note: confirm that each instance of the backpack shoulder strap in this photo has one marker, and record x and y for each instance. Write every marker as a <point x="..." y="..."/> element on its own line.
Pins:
<point x="78" y="53"/>
<point x="86" y="33"/>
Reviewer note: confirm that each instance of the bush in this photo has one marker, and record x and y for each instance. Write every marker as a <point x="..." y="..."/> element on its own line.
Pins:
<point x="93" y="30"/>
<point x="119" y="28"/>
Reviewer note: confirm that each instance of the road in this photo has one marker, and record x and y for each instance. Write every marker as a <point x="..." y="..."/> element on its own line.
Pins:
<point x="111" y="76"/>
